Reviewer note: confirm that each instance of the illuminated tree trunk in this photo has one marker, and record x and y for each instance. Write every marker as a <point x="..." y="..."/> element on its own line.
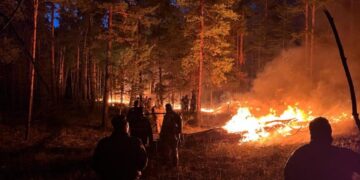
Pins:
<point x="84" y="81"/>
<point x="85" y="76"/>
<point x="238" y="49"/>
<point x="106" y="78"/>
<point x="92" y="82"/>
<point x="99" y="74"/>
<point x="53" y="81"/>
<point x="307" y="31"/>
<point x="201" y="60"/>
<point x="283" y="27"/>
<point x="32" y="71"/>
<point x="241" y="41"/>
<point x="312" y="38"/>
<point x="121" y="81"/>
<point x="161" y="98"/>
<point x="241" y="55"/>
<point x="77" y="74"/>
<point x="211" y="97"/>
<point x="122" y="88"/>
<point x="61" y="74"/>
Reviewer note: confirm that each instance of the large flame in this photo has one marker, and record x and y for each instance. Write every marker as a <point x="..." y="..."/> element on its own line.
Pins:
<point x="257" y="128"/>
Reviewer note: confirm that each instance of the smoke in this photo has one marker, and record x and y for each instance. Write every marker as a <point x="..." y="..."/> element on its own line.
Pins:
<point x="320" y="86"/>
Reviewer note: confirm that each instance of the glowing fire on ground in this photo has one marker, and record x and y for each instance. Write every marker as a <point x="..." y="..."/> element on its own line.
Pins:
<point x="261" y="128"/>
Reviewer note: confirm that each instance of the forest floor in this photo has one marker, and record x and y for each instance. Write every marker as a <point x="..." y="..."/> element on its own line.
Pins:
<point x="62" y="148"/>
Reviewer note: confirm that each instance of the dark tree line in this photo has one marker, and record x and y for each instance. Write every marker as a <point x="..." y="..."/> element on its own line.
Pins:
<point x="87" y="52"/>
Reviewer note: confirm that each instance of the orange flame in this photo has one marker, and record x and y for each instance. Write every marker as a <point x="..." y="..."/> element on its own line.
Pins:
<point x="261" y="128"/>
<point x="257" y="128"/>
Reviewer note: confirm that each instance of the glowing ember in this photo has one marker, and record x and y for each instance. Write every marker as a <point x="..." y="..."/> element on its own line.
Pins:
<point x="258" y="128"/>
<point x="206" y="110"/>
<point x="114" y="100"/>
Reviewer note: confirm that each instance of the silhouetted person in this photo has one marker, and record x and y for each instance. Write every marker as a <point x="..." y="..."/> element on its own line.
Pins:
<point x="193" y="102"/>
<point x="134" y="114"/>
<point x="153" y="120"/>
<point x="119" y="156"/>
<point x="170" y="136"/>
<point x="186" y="103"/>
<point x="319" y="160"/>
<point x="141" y="129"/>
<point x="148" y="104"/>
<point x="182" y="104"/>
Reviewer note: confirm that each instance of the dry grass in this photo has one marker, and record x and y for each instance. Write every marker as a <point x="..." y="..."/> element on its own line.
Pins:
<point x="64" y="152"/>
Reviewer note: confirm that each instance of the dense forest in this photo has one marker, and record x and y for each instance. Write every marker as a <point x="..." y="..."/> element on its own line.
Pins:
<point x="88" y="52"/>
<point x="255" y="73"/>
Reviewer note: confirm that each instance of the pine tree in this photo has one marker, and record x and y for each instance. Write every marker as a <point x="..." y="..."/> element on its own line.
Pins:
<point x="210" y="45"/>
<point x="32" y="71"/>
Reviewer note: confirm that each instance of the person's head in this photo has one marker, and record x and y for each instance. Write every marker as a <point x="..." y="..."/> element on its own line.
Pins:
<point x="136" y="103"/>
<point x="168" y="108"/>
<point x="120" y="124"/>
<point x="320" y="131"/>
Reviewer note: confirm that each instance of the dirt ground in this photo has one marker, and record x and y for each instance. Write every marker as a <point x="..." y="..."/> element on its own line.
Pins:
<point x="61" y="147"/>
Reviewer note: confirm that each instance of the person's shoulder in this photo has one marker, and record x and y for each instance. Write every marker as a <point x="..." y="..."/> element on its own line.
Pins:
<point x="135" y="141"/>
<point x="174" y="113"/>
<point x="103" y="142"/>
<point x="177" y="115"/>
<point x="302" y="150"/>
<point x="345" y="152"/>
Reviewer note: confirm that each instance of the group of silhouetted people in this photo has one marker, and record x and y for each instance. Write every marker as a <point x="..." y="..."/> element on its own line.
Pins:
<point x="188" y="105"/>
<point x="123" y="155"/>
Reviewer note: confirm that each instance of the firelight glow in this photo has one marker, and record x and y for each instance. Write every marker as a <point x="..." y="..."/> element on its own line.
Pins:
<point x="259" y="128"/>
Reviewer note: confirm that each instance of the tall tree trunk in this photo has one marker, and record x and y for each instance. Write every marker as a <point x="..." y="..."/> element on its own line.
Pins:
<point x="110" y="83"/>
<point x="307" y="31"/>
<point x="201" y="60"/>
<point x="106" y="80"/>
<point x="259" y="57"/>
<point x="72" y="77"/>
<point x="92" y="93"/>
<point x="61" y="74"/>
<point x="211" y="97"/>
<point x="237" y="63"/>
<point x="32" y="70"/>
<point x="77" y="72"/>
<point x="53" y="81"/>
<point x="241" y="41"/>
<point x="121" y="91"/>
<point x="100" y="81"/>
<point x="137" y="58"/>
<point x="312" y="43"/>
<point x="161" y="98"/>
<point x="84" y="81"/>
<point x="241" y="58"/>
<point x="283" y="27"/>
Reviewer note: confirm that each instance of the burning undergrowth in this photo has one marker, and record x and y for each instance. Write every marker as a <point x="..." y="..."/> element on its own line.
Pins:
<point x="288" y="94"/>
